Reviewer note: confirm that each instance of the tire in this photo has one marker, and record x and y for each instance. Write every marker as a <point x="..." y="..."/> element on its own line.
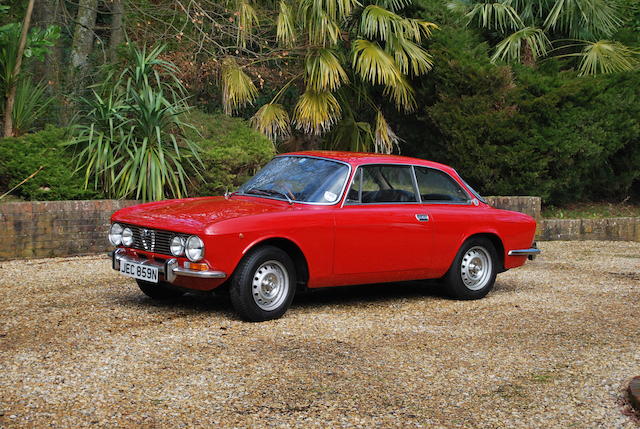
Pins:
<point x="263" y="284"/>
<point x="160" y="291"/>
<point x="473" y="272"/>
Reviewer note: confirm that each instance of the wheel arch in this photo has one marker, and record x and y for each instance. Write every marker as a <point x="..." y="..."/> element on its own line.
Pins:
<point x="497" y="243"/>
<point x="293" y="250"/>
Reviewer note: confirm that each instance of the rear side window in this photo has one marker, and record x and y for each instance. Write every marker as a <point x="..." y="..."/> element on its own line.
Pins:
<point x="435" y="185"/>
<point x="382" y="184"/>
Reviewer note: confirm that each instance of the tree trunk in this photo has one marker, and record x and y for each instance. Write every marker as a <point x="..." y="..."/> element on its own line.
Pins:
<point x="46" y="14"/>
<point x="13" y="83"/>
<point x="117" y="27"/>
<point x="83" y="39"/>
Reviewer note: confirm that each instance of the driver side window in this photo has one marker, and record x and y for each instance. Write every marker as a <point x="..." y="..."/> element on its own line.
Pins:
<point x="374" y="184"/>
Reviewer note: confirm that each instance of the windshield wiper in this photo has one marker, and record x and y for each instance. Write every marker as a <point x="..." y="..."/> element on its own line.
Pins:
<point x="269" y="192"/>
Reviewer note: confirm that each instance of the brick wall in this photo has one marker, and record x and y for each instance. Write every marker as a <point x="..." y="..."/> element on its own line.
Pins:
<point x="45" y="229"/>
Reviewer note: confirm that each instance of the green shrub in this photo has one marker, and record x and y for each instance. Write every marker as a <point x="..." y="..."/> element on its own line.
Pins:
<point x="520" y="130"/>
<point x="21" y="156"/>
<point x="231" y="152"/>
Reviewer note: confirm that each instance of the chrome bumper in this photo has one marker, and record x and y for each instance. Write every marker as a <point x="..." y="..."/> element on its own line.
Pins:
<point x="530" y="253"/>
<point x="169" y="269"/>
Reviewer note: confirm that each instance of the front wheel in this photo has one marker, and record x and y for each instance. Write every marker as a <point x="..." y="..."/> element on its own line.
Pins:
<point x="263" y="284"/>
<point x="473" y="272"/>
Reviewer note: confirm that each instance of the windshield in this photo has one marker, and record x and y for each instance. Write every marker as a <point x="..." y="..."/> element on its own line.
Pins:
<point x="300" y="179"/>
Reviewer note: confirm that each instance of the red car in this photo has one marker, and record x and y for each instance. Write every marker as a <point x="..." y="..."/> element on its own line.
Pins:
<point x="319" y="219"/>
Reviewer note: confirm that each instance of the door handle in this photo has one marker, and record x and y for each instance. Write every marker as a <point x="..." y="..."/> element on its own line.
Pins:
<point x="422" y="217"/>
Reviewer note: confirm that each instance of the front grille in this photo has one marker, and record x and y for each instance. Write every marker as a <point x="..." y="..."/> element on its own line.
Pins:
<point x="153" y="240"/>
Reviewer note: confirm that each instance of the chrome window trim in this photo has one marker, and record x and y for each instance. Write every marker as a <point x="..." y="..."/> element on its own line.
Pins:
<point x="344" y="187"/>
<point x="415" y="184"/>
<point x="463" y="203"/>
<point x="415" y="189"/>
<point x="471" y="190"/>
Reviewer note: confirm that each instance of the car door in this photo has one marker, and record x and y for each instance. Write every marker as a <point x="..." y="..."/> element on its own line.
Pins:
<point x="382" y="232"/>
<point x="451" y="212"/>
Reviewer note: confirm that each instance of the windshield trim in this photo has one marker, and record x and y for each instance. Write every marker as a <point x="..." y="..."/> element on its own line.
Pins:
<point x="344" y="185"/>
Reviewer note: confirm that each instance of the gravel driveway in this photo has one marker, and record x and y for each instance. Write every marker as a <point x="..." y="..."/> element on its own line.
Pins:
<point x="552" y="346"/>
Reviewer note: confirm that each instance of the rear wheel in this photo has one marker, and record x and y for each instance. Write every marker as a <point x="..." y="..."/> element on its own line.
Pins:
<point x="473" y="272"/>
<point x="159" y="290"/>
<point x="263" y="284"/>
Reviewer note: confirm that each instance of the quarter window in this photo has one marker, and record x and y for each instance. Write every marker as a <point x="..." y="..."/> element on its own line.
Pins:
<point x="435" y="185"/>
<point x="382" y="184"/>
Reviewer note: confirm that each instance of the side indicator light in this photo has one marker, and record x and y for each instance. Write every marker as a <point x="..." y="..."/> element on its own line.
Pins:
<point x="196" y="266"/>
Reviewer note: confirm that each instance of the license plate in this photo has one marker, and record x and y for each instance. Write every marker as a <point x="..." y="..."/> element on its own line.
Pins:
<point x="139" y="271"/>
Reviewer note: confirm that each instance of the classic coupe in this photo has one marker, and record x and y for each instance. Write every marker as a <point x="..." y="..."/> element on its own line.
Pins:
<point x="318" y="219"/>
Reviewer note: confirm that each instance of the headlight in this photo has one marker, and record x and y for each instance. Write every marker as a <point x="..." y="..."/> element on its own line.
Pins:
<point x="194" y="249"/>
<point x="127" y="237"/>
<point x="115" y="234"/>
<point x="177" y="246"/>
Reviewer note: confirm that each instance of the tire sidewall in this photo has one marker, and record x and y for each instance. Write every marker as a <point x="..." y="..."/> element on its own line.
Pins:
<point x="456" y="287"/>
<point x="240" y="290"/>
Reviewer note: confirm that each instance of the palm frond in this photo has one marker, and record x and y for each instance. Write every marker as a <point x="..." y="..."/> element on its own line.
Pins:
<point x="394" y="5"/>
<point x="416" y="29"/>
<point x="605" y="56"/>
<point x="323" y="70"/>
<point x="510" y="49"/>
<point x="410" y="57"/>
<point x="272" y="120"/>
<point x="322" y="29"/>
<point x="316" y="111"/>
<point x="374" y="64"/>
<point x="495" y="16"/>
<point x="237" y="88"/>
<point x="402" y="94"/>
<point x="460" y="7"/>
<point x="584" y="18"/>
<point x="247" y="18"/>
<point x="386" y="140"/>
<point x="285" y="25"/>
<point x="335" y="9"/>
<point x="377" y="21"/>
<point x="351" y="135"/>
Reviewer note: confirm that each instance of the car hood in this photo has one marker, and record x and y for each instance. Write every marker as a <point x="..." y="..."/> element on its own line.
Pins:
<point x="193" y="215"/>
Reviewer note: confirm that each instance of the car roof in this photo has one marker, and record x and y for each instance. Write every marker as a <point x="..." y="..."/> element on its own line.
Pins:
<point x="359" y="158"/>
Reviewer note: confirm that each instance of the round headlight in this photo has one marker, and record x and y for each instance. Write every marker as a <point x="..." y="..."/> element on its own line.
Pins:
<point x="127" y="237"/>
<point x="115" y="234"/>
<point x="194" y="249"/>
<point x="177" y="246"/>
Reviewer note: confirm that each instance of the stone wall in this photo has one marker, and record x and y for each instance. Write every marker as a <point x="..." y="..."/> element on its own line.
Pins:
<point x="615" y="229"/>
<point x="45" y="229"/>
<point x="69" y="228"/>
<point x="528" y="205"/>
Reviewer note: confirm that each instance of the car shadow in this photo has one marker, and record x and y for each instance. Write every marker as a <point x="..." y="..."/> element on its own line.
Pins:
<point x="369" y="293"/>
<point x="310" y="298"/>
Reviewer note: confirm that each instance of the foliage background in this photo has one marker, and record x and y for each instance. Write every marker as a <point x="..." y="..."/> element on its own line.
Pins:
<point x="507" y="128"/>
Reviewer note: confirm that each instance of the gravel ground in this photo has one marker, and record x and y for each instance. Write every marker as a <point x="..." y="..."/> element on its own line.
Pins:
<point x="552" y="346"/>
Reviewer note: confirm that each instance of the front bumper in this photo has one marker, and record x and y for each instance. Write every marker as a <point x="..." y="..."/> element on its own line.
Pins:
<point x="169" y="269"/>
<point x="531" y="253"/>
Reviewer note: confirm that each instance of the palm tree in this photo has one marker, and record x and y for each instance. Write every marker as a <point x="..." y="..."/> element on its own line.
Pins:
<point x="531" y="29"/>
<point x="346" y="51"/>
